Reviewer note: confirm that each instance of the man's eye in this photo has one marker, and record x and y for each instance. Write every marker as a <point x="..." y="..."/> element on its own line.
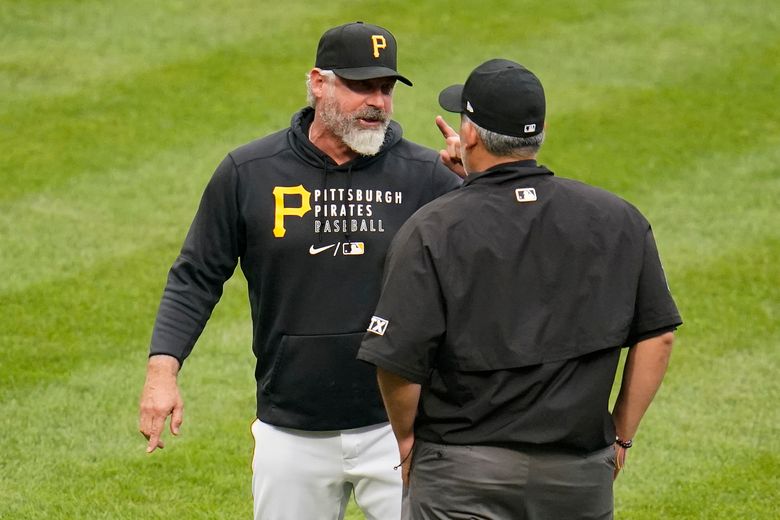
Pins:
<point x="359" y="86"/>
<point x="365" y="87"/>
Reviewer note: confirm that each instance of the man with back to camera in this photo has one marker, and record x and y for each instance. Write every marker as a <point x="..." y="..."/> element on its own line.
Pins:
<point x="504" y="308"/>
<point x="310" y="212"/>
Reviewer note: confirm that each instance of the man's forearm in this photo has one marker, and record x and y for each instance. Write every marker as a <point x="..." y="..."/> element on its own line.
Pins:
<point x="644" y="370"/>
<point x="401" y="397"/>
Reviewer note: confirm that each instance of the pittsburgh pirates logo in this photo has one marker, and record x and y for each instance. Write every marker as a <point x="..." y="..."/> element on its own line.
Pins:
<point x="379" y="42"/>
<point x="281" y="211"/>
<point x="378" y="325"/>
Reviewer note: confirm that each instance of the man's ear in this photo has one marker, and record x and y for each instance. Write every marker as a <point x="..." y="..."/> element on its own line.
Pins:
<point x="468" y="135"/>
<point x="318" y="82"/>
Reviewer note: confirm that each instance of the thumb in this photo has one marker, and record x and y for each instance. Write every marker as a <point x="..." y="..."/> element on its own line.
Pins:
<point x="177" y="417"/>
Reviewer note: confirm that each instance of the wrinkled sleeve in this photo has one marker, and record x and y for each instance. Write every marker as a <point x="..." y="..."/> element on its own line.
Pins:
<point x="444" y="180"/>
<point x="409" y="321"/>
<point x="655" y="311"/>
<point x="207" y="259"/>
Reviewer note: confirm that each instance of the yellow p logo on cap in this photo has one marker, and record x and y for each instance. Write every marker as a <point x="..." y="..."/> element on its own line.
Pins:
<point x="379" y="42"/>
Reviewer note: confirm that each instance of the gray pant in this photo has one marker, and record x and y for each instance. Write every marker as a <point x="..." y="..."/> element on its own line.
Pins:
<point x="451" y="482"/>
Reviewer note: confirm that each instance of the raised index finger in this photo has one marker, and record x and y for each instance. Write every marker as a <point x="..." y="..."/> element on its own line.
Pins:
<point x="446" y="130"/>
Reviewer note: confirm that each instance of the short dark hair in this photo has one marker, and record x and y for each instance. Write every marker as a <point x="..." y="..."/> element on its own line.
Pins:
<point x="506" y="145"/>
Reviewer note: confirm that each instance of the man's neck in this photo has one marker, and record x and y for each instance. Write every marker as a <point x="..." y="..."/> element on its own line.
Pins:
<point x="481" y="160"/>
<point x="329" y="143"/>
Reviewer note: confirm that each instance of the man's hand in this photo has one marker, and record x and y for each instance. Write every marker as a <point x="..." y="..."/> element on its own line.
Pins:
<point x="401" y="398"/>
<point x="451" y="155"/>
<point x="159" y="399"/>
<point x="405" y="449"/>
<point x="620" y="459"/>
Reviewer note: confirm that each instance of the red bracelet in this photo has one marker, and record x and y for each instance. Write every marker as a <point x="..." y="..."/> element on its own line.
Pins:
<point x="624" y="444"/>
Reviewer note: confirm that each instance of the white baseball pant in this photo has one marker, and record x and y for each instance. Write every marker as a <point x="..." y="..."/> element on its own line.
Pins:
<point x="304" y="475"/>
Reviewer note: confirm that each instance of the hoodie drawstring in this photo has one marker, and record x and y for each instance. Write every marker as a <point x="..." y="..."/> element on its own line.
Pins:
<point x="349" y="187"/>
<point x="324" y="187"/>
<point x="320" y="218"/>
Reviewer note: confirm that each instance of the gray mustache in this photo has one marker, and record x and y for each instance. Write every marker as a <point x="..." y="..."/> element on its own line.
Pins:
<point x="373" y="114"/>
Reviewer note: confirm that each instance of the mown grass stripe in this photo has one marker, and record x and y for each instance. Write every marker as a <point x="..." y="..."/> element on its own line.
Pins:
<point x="129" y="123"/>
<point x="89" y="318"/>
<point x="55" y="48"/>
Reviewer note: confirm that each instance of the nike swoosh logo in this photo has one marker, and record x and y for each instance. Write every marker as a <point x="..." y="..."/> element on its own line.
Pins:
<point x="317" y="250"/>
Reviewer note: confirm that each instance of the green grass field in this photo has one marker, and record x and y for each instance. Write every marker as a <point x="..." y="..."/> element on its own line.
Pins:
<point x="114" y="114"/>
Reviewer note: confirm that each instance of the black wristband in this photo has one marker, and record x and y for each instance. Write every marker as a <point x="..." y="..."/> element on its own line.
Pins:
<point x="625" y="444"/>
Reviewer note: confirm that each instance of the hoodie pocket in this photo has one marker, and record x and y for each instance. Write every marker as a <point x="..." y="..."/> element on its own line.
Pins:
<point x="320" y="385"/>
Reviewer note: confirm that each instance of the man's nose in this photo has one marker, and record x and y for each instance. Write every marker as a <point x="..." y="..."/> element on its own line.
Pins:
<point x="376" y="98"/>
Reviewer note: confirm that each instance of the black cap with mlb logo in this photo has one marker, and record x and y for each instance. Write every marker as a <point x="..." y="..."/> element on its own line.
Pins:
<point x="501" y="96"/>
<point x="359" y="51"/>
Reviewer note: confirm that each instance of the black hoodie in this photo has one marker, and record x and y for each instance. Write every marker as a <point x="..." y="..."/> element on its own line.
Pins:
<point x="311" y="236"/>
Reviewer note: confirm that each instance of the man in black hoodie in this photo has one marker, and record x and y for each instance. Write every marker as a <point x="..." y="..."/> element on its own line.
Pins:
<point x="310" y="212"/>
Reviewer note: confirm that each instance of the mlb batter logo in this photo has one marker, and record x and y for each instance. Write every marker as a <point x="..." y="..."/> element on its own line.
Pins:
<point x="353" y="248"/>
<point x="378" y="325"/>
<point x="525" y="194"/>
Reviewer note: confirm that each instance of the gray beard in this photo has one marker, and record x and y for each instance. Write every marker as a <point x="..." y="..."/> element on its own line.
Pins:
<point x="363" y="141"/>
<point x="346" y="127"/>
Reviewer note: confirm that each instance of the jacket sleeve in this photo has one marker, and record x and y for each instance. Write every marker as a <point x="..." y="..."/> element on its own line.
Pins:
<point x="207" y="259"/>
<point x="443" y="180"/>
<point x="654" y="310"/>
<point x="409" y="321"/>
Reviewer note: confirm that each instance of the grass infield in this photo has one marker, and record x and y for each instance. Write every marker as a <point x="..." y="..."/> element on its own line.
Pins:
<point x="114" y="114"/>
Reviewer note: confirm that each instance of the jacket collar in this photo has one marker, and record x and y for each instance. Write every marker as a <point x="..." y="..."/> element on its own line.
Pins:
<point x="507" y="171"/>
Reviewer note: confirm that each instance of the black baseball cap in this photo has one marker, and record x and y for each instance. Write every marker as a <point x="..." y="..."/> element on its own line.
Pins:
<point x="501" y="96"/>
<point x="359" y="51"/>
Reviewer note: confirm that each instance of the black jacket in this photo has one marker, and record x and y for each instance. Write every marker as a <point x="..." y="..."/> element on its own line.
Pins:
<point x="509" y="300"/>
<point x="311" y="237"/>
